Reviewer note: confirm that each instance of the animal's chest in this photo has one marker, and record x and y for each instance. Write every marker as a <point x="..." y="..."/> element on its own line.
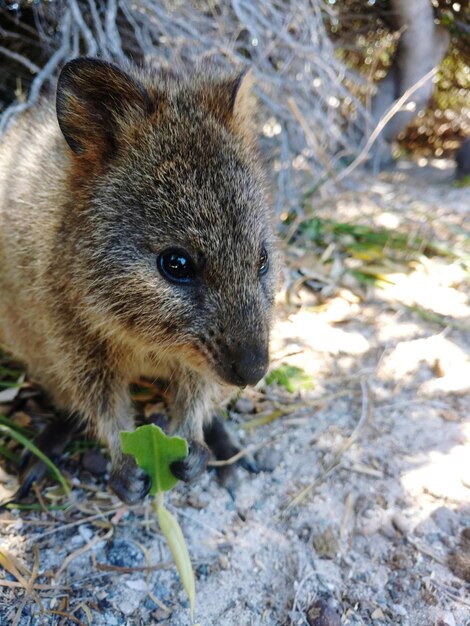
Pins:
<point x="156" y="366"/>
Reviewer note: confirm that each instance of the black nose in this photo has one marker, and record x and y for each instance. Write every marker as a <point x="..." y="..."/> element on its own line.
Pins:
<point x="248" y="365"/>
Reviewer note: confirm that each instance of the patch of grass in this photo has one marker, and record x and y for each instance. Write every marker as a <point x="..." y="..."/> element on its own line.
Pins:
<point x="367" y="243"/>
<point x="370" y="254"/>
<point x="12" y="376"/>
<point x="36" y="507"/>
<point x="436" y="318"/>
<point x="290" y="377"/>
<point x="462" y="182"/>
<point x="12" y="433"/>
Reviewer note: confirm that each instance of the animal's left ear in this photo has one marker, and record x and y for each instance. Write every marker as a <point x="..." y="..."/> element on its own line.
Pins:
<point x="232" y="102"/>
<point x="94" y="98"/>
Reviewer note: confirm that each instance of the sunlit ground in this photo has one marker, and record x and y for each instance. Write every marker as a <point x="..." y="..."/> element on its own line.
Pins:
<point x="368" y="416"/>
<point x="408" y="332"/>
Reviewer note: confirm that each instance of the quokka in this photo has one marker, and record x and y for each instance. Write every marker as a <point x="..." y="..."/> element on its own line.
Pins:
<point x="136" y="240"/>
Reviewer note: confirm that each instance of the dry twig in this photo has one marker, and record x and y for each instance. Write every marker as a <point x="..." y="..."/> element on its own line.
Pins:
<point x="300" y="81"/>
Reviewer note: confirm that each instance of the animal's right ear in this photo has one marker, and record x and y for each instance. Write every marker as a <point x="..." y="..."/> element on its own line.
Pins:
<point x="94" y="98"/>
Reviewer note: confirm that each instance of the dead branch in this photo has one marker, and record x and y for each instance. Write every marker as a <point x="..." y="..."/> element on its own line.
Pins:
<point x="286" y="45"/>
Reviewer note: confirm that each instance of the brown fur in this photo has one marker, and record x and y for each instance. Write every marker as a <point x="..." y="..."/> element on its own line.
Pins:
<point x="145" y="161"/>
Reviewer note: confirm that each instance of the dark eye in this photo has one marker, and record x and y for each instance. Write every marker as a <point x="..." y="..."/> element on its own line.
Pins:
<point x="263" y="262"/>
<point x="176" y="266"/>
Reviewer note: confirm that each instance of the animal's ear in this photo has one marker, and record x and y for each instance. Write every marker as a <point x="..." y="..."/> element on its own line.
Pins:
<point x="93" y="98"/>
<point x="231" y="101"/>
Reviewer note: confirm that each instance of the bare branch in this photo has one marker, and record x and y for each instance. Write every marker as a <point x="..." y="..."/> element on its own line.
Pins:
<point x="19" y="58"/>
<point x="286" y="44"/>
<point x="45" y="74"/>
<point x="92" y="46"/>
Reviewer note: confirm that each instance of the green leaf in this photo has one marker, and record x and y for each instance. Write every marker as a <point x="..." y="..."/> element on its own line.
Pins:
<point x="10" y="432"/>
<point x="154" y="452"/>
<point x="174" y="537"/>
<point x="35" y="507"/>
<point x="290" y="377"/>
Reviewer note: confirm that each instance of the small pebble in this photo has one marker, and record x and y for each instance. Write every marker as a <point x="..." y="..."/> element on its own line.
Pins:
<point x="160" y="615"/>
<point x="393" y="593"/>
<point x="85" y="532"/>
<point x="459" y="564"/>
<point x="203" y="570"/>
<point x="244" y="405"/>
<point x="124" y="554"/>
<point x="321" y="613"/>
<point x="445" y="519"/>
<point x="95" y="462"/>
<point x="465" y="539"/>
<point x="196" y="501"/>
<point x="400" y="560"/>
<point x="137" y="585"/>
<point x="127" y="607"/>
<point x="224" y="563"/>
<point x="401" y="524"/>
<point x="326" y="543"/>
<point x="399" y="610"/>
<point x="160" y="592"/>
<point x="267" y="459"/>
<point x="450" y="416"/>
<point x="378" y="614"/>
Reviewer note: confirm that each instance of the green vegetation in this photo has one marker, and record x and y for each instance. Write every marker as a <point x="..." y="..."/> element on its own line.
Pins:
<point x="463" y="182"/>
<point x="154" y="452"/>
<point x="29" y="445"/>
<point x="290" y="377"/>
<point x="371" y="254"/>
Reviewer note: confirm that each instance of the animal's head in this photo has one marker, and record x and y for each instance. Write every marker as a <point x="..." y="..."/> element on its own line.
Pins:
<point x="172" y="236"/>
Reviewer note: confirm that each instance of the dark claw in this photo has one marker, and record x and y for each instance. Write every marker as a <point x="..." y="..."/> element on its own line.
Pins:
<point x="249" y="464"/>
<point x="34" y="474"/>
<point x="193" y="465"/>
<point x="219" y="440"/>
<point x="129" y="482"/>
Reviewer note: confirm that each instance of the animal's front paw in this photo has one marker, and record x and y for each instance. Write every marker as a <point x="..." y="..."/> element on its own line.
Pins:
<point x="130" y="483"/>
<point x="224" y="447"/>
<point x="193" y="465"/>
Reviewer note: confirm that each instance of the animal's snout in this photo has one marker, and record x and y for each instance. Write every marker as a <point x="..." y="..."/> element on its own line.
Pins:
<point x="247" y="364"/>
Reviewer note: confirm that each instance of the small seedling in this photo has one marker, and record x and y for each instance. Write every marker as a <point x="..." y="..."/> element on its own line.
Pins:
<point x="154" y="452"/>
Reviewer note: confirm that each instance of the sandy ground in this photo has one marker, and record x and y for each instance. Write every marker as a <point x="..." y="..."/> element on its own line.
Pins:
<point x="379" y="445"/>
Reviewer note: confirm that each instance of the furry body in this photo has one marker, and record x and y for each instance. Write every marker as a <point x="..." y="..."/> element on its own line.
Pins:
<point x="139" y="163"/>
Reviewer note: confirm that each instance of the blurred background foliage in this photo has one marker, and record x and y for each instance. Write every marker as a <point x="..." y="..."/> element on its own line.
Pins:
<point x="363" y="32"/>
<point x="366" y="36"/>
